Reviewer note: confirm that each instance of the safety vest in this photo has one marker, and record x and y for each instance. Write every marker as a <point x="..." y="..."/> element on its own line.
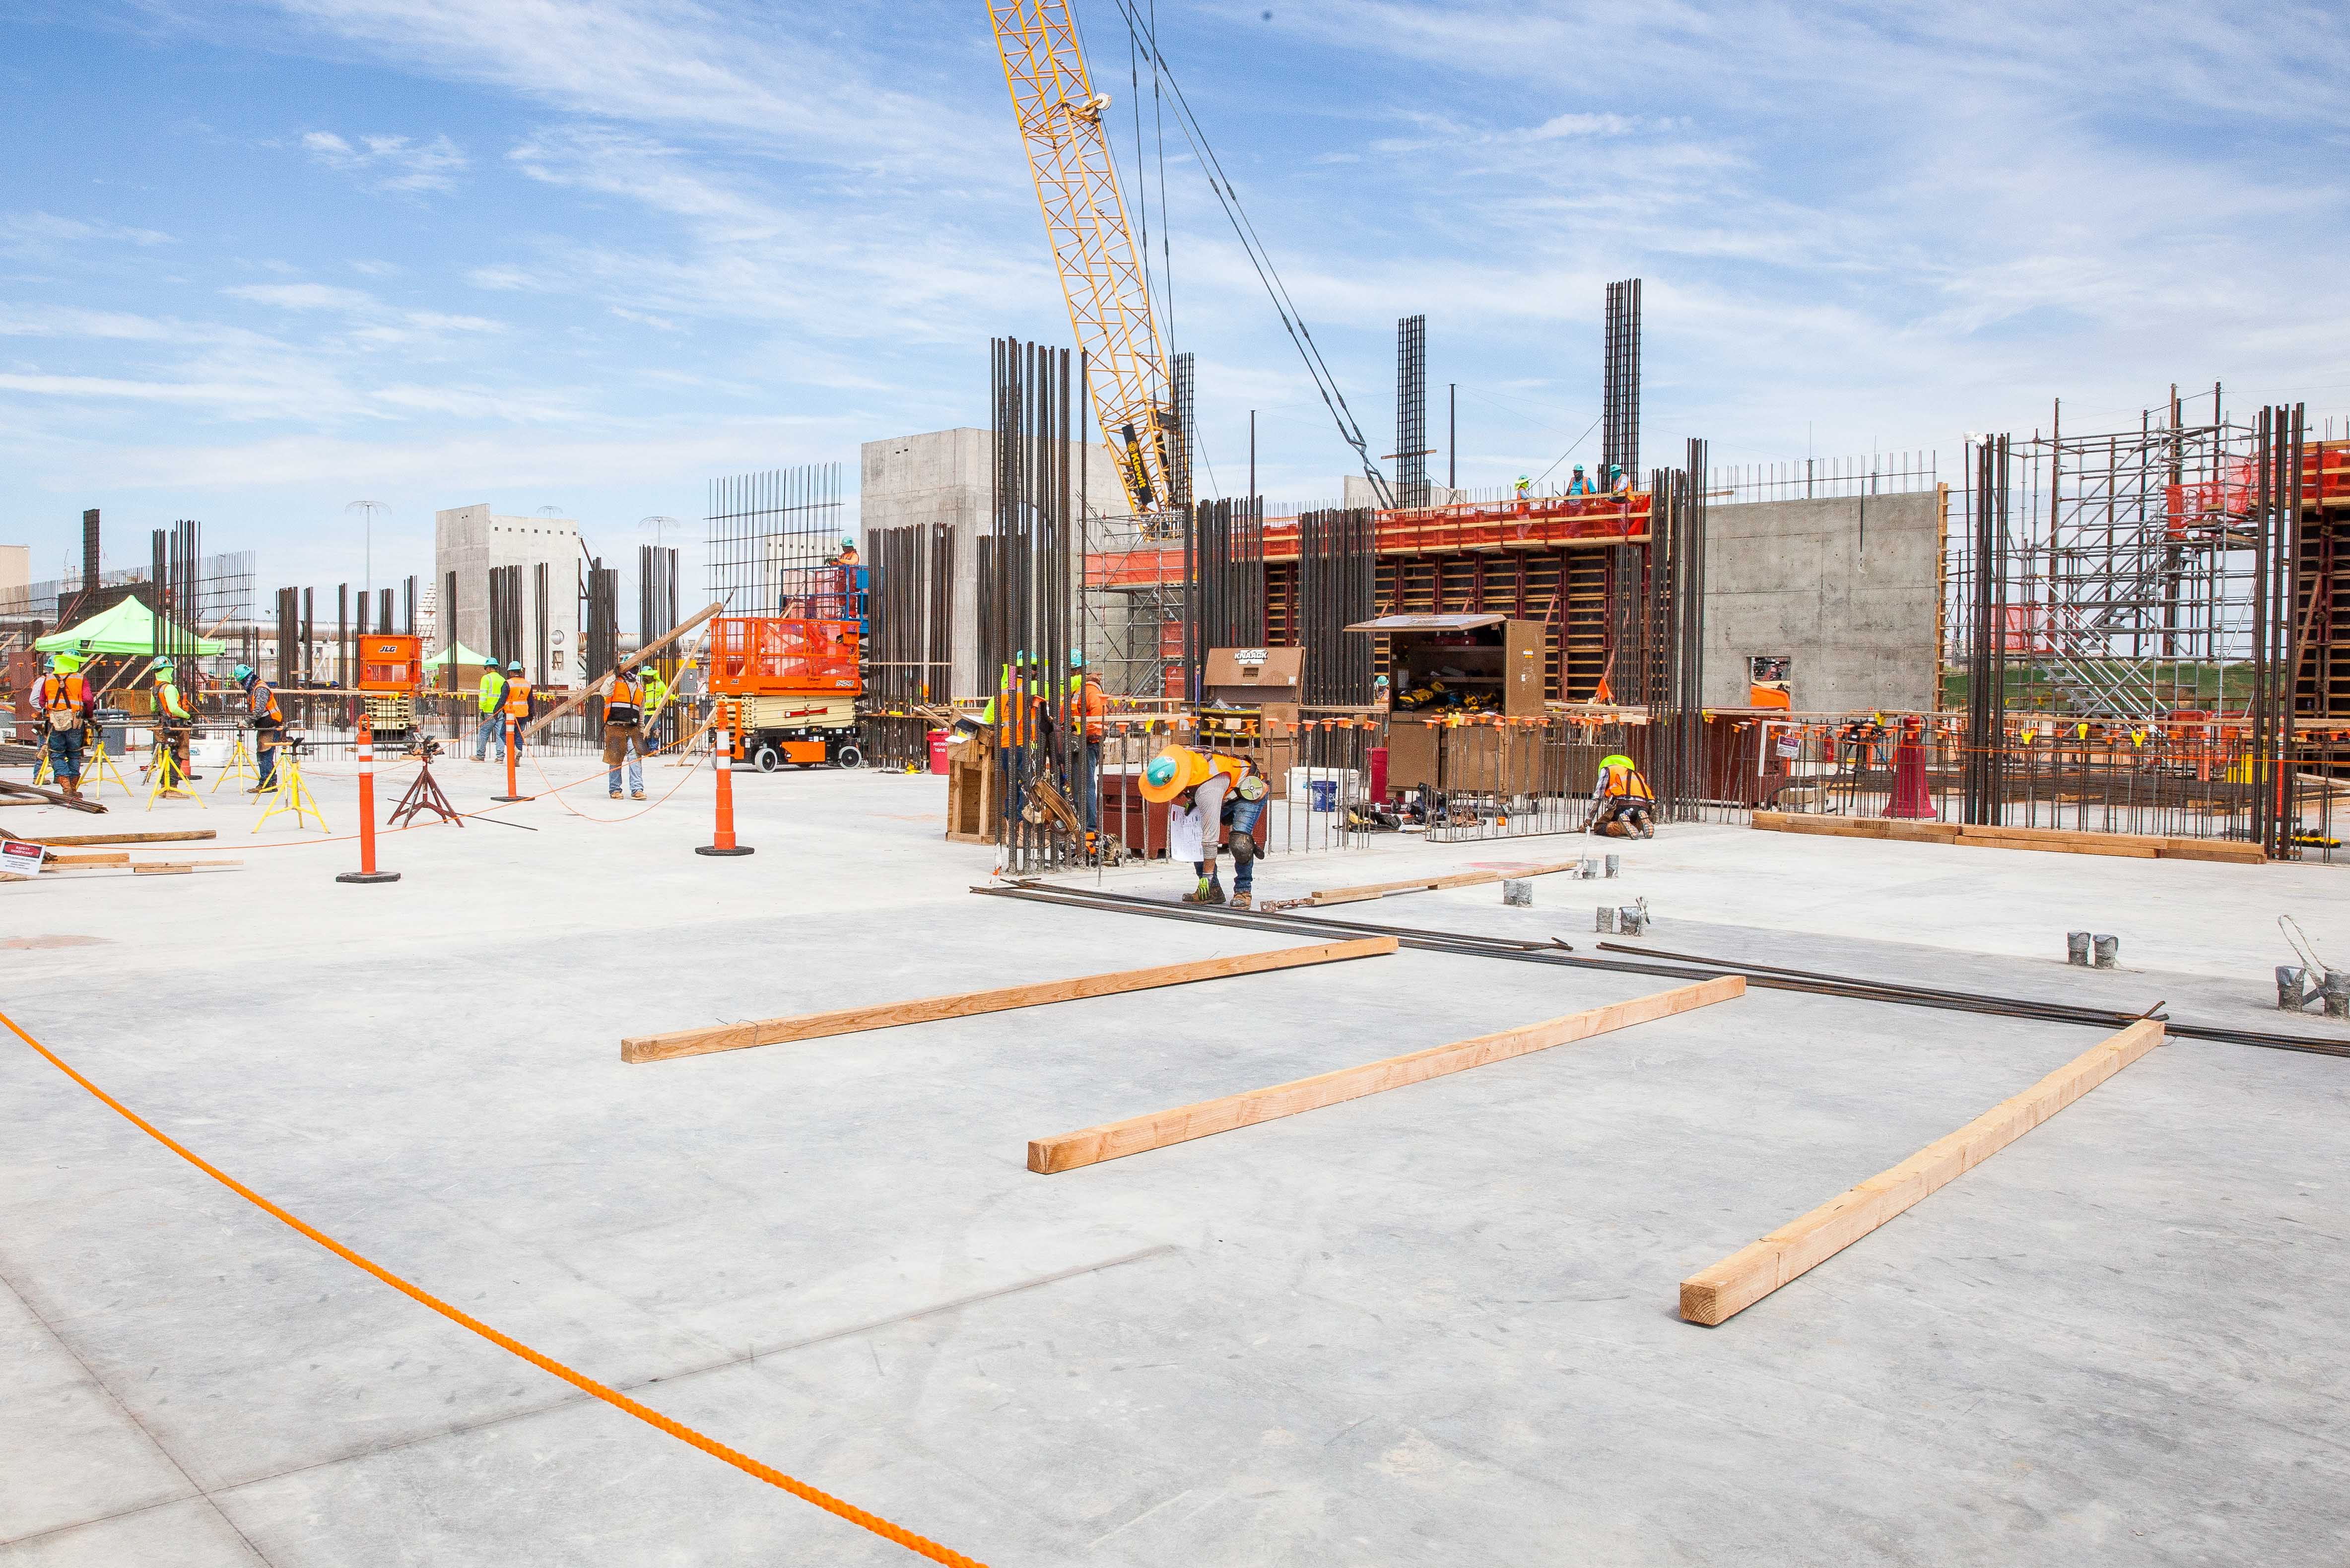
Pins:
<point x="167" y="694"/>
<point x="68" y="693"/>
<point x="494" y="688"/>
<point x="656" y="690"/>
<point x="1624" y="783"/>
<point x="264" y="700"/>
<point x="1094" y="704"/>
<point x="517" y="697"/>
<point x="625" y="704"/>
<point x="1009" y="710"/>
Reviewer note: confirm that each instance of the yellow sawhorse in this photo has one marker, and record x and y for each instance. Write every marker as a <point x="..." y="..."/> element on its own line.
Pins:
<point x="289" y="795"/>
<point x="163" y="777"/>
<point x="238" y="765"/>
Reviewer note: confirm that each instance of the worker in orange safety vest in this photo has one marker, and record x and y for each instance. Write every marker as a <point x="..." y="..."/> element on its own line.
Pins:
<point x="1623" y="805"/>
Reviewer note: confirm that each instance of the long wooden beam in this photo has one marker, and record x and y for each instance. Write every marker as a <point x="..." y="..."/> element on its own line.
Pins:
<point x="1114" y="1140"/>
<point x="602" y="683"/>
<point x="964" y="1004"/>
<point x="1714" y="1295"/>
<point x="171" y="836"/>
<point x="1357" y="895"/>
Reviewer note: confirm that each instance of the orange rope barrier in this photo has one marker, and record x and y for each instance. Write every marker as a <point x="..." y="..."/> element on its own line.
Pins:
<point x="547" y="1364"/>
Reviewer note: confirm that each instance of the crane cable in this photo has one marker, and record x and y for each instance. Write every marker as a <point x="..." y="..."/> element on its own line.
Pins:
<point x="1293" y="320"/>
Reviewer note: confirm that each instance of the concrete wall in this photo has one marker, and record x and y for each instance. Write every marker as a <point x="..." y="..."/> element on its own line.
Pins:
<point x="15" y="572"/>
<point x="470" y="540"/>
<point x="949" y="476"/>
<point x="1846" y="587"/>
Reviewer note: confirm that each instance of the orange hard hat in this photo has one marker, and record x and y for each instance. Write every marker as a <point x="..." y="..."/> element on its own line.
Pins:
<point x="1172" y="772"/>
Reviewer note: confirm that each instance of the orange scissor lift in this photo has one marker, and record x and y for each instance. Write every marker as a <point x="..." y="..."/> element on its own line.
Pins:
<point x="790" y="687"/>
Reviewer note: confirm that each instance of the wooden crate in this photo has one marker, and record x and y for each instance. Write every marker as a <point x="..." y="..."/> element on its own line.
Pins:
<point x="972" y="809"/>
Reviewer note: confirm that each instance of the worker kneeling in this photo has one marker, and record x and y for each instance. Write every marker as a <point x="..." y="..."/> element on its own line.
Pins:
<point x="1203" y="791"/>
<point x="1623" y="804"/>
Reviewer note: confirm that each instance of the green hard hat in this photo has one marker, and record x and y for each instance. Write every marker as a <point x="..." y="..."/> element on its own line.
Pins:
<point x="515" y="667"/>
<point x="242" y="673"/>
<point x="1160" y="772"/>
<point x="164" y="666"/>
<point x="1615" y="759"/>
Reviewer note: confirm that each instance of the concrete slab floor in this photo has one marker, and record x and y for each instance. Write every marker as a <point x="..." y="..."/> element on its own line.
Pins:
<point x="1431" y="1326"/>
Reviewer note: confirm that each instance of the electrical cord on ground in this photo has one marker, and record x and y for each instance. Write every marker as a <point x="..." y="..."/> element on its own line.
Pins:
<point x="799" y="1489"/>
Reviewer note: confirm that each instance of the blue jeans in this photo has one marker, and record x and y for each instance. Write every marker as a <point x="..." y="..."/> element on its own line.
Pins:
<point x="1246" y="813"/>
<point x="493" y="733"/>
<point x="635" y="752"/>
<point x="1090" y="784"/>
<point x="264" y="756"/>
<point x="64" y="756"/>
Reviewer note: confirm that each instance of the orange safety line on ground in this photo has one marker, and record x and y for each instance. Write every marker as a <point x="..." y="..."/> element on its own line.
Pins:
<point x="557" y="790"/>
<point x="586" y="1384"/>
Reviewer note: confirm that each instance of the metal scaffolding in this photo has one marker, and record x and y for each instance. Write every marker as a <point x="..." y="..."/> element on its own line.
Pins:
<point x="768" y="530"/>
<point x="2122" y="569"/>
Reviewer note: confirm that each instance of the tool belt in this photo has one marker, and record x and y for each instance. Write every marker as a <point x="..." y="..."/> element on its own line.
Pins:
<point x="65" y="720"/>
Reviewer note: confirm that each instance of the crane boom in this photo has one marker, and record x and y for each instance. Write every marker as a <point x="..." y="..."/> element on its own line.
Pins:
<point x="1059" y="116"/>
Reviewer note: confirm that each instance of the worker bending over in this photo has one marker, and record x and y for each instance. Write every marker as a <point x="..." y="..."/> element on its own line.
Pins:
<point x="1205" y="792"/>
<point x="1623" y="806"/>
<point x="624" y="732"/>
<point x="268" y="721"/>
<point x="67" y="707"/>
<point x="493" y="717"/>
<point x="174" y="720"/>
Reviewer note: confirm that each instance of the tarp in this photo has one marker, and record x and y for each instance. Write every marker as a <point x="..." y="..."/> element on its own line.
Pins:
<point x="127" y="627"/>
<point x="464" y="656"/>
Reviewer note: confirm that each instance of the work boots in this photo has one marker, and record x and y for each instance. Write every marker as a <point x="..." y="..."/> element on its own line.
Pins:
<point x="1242" y="900"/>
<point x="1208" y="891"/>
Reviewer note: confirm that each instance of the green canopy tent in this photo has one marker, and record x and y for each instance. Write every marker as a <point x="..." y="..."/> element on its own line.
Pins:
<point x="464" y="656"/>
<point x="129" y="628"/>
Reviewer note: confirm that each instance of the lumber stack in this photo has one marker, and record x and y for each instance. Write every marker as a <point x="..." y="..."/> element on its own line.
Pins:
<point x="2052" y="840"/>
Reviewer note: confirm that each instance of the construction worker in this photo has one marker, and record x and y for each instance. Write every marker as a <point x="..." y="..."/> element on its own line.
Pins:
<point x="1619" y="484"/>
<point x="1525" y="486"/>
<point x="1011" y="713"/>
<point x="67" y="705"/>
<point x="624" y="732"/>
<point x="848" y="556"/>
<point x="1087" y="700"/>
<point x="517" y="701"/>
<point x="656" y="694"/>
<point x="268" y="721"/>
<point x="174" y="720"/>
<point x="1579" y="484"/>
<point x="493" y="716"/>
<point x="1205" y="792"/>
<point x="1623" y="806"/>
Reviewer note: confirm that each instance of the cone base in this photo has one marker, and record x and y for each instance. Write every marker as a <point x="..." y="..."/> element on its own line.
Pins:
<point x="713" y="849"/>
<point x="512" y="799"/>
<point x="368" y="877"/>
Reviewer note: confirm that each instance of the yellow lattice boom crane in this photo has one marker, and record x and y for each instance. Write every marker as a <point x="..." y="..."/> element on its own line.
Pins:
<point x="1060" y="118"/>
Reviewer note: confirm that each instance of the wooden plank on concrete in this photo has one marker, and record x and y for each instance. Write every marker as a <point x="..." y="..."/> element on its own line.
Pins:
<point x="99" y="857"/>
<point x="965" y="1004"/>
<point x="1713" y="1295"/>
<point x="1426" y="884"/>
<point x="2058" y="846"/>
<point x="166" y="868"/>
<point x="59" y="840"/>
<point x="1114" y="1140"/>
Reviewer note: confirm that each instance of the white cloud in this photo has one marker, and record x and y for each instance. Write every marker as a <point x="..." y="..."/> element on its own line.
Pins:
<point x="392" y="162"/>
<point x="304" y="296"/>
<point x="28" y="233"/>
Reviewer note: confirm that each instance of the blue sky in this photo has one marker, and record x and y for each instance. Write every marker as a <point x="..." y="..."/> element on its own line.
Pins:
<point x="261" y="260"/>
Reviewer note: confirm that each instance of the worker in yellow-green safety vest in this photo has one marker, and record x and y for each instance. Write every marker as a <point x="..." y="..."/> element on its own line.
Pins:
<point x="1623" y="806"/>
<point x="493" y="731"/>
<point x="175" y="720"/>
<point x="1014" y="714"/>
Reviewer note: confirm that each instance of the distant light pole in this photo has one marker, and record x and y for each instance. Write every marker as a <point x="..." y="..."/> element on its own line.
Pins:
<point x="369" y="509"/>
<point x="657" y="523"/>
